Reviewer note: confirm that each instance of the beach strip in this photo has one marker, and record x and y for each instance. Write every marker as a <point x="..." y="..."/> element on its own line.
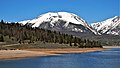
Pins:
<point x="15" y="54"/>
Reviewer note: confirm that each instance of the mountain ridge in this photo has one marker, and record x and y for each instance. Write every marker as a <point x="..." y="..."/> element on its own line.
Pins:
<point x="60" y="21"/>
<point x="109" y="26"/>
<point x="69" y="22"/>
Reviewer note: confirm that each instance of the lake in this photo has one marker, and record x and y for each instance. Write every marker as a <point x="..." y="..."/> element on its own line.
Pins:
<point x="101" y="59"/>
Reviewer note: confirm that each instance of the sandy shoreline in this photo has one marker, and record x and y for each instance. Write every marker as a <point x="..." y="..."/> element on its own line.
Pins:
<point x="14" y="54"/>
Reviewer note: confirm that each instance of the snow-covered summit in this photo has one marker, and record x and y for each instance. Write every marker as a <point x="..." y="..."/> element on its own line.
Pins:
<point x="109" y="26"/>
<point x="55" y="16"/>
<point x="60" y="21"/>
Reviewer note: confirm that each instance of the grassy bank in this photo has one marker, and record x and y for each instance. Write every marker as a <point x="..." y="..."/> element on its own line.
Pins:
<point x="36" y="45"/>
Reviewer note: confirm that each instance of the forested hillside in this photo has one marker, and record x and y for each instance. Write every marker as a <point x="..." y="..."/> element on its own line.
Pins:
<point x="17" y="33"/>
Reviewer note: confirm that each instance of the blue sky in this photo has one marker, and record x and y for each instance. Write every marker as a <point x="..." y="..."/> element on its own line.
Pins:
<point x="90" y="10"/>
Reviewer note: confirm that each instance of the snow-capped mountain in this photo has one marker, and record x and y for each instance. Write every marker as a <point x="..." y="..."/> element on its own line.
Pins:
<point x="60" y="21"/>
<point x="109" y="26"/>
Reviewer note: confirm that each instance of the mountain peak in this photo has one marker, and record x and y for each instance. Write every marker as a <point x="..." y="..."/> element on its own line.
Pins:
<point x="109" y="26"/>
<point x="62" y="15"/>
<point x="55" y="16"/>
<point x="60" y="21"/>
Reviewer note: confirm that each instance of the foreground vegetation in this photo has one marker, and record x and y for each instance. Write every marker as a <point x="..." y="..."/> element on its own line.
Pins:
<point x="14" y="33"/>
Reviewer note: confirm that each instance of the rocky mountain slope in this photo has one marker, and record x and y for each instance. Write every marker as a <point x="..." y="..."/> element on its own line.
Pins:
<point x="110" y="26"/>
<point x="61" y="21"/>
<point x="72" y="24"/>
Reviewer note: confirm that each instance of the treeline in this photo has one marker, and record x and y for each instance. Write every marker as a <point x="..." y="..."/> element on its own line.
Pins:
<point x="22" y="33"/>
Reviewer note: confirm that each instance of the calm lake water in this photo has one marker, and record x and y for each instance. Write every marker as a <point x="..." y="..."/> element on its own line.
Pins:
<point x="101" y="59"/>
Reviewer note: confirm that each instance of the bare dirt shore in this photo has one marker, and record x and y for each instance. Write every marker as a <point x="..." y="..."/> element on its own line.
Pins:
<point x="15" y="54"/>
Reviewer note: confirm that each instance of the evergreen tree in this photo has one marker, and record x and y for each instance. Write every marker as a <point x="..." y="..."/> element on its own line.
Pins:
<point x="1" y="39"/>
<point x="70" y="44"/>
<point x="2" y="21"/>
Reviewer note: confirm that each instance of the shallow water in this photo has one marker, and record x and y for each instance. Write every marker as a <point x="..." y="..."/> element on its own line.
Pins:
<point x="100" y="59"/>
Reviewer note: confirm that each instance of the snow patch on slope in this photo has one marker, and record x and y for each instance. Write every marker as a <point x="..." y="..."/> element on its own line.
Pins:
<point x="54" y="17"/>
<point x="107" y="25"/>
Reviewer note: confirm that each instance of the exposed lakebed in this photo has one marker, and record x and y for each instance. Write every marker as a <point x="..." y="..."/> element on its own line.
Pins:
<point x="100" y="59"/>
